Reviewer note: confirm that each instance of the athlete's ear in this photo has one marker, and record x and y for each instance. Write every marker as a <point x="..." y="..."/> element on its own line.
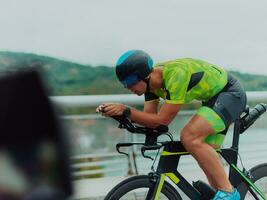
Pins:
<point x="148" y="77"/>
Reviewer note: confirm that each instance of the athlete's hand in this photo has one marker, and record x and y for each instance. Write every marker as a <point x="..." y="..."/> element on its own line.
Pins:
<point x="111" y="109"/>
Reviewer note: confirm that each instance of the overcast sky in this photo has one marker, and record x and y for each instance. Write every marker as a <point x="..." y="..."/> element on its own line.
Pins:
<point x="230" y="33"/>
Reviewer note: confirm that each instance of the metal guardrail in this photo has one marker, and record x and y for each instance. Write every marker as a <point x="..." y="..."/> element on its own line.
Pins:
<point x="101" y="160"/>
<point x="93" y="164"/>
<point x="129" y="99"/>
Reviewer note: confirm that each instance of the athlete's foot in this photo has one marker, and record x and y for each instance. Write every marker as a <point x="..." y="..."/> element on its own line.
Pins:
<point x="223" y="195"/>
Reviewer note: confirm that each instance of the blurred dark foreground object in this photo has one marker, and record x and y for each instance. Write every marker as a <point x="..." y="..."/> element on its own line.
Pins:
<point x="32" y="141"/>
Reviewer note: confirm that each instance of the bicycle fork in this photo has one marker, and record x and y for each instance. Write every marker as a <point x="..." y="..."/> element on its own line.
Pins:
<point x="154" y="192"/>
<point x="176" y="178"/>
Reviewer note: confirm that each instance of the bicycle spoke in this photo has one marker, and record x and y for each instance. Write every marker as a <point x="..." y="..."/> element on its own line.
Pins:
<point x="262" y="185"/>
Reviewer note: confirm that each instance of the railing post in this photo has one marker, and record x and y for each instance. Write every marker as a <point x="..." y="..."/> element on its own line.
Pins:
<point x="131" y="158"/>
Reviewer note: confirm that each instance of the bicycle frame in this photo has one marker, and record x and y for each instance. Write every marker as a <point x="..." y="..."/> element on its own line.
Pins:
<point x="173" y="150"/>
<point x="169" y="160"/>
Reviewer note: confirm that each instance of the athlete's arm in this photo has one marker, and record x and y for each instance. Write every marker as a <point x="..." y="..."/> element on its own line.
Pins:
<point x="151" y="106"/>
<point x="152" y="120"/>
<point x="164" y="116"/>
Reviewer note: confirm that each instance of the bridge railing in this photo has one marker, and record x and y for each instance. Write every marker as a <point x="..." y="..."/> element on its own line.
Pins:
<point x="129" y="99"/>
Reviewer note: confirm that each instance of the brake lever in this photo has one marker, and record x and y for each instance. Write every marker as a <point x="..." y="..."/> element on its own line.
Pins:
<point x="144" y="148"/>
<point x="119" y="145"/>
<point x="143" y="154"/>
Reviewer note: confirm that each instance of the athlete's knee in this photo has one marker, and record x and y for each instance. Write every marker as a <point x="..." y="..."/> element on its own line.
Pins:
<point x="186" y="135"/>
<point x="189" y="138"/>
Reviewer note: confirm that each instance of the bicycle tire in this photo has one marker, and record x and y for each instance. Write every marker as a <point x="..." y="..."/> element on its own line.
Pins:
<point x="141" y="181"/>
<point x="258" y="173"/>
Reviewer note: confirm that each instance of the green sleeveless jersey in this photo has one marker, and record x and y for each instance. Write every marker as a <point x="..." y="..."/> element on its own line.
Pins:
<point x="187" y="79"/>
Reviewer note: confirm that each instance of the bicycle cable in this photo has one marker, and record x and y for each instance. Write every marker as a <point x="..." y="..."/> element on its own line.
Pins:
<point x="152" y="167"/>
<point x="241" y="162"/>
<point x="169" y="134"/>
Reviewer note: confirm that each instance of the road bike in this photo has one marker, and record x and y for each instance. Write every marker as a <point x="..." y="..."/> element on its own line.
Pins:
<point x="251" y="184"/>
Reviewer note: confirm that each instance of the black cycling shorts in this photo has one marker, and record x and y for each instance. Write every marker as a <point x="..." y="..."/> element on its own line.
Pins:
<point x="230" y="102"/>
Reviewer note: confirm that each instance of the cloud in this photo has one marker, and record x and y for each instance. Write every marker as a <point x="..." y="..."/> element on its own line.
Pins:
<point x="228" y="33"/>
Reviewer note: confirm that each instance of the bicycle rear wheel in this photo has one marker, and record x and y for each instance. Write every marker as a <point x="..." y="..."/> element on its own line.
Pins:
<point x="259" y="178"/>
<point x="137" y="187"/>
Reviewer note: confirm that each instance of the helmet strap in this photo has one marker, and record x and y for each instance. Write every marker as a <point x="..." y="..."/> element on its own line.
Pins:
<point x="146" y="80"/>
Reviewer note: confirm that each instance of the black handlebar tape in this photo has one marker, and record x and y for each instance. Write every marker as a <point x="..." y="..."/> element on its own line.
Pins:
<point x="154" y="147"/>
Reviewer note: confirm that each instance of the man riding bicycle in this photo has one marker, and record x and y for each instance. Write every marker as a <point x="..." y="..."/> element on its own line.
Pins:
<point x="179" y="82"/>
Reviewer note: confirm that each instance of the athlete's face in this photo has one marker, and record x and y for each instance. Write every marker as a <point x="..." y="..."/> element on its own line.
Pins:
<point x="139" y="88"/>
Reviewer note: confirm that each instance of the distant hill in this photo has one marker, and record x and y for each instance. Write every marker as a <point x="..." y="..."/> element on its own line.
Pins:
<point x="251" y="82"/>
<point x="62" y="77"/>
<point x="68" y="78"/>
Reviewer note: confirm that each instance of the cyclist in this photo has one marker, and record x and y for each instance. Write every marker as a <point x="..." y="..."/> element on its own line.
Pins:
<point x="178" y="82"/>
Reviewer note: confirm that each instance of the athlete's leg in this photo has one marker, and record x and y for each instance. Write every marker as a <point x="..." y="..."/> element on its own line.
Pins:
<point x="193" y="138"/>
<point x="217" y="113"/>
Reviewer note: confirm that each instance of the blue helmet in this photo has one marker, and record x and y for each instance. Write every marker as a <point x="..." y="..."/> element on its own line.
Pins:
<point x="133" y="66"/>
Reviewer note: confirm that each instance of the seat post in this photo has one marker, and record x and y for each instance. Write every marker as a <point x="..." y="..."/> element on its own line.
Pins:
<point x="236" y="134"/>
<point x="234" y="177"/>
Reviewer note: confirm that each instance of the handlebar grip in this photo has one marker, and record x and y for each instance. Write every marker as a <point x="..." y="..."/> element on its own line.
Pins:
<point x="119" y="118"/>
<point x="124" y="144"/>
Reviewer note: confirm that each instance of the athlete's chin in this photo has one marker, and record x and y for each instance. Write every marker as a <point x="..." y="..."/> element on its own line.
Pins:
<point x="139" y="93"/>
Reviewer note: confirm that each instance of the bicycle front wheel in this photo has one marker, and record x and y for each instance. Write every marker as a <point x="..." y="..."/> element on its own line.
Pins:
<point x="137" y="188"/>
<point x="259" y="178"/>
